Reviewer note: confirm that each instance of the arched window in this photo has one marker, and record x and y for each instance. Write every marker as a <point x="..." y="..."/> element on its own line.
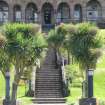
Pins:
<point x="17" y="13"/>
<point x="94" y="10"/>
<point x="47" y="11"/>
<point x="78" y="12"/>
<point x="3" y="12"/>
<point x="31" y="13"/>
<point x="63" y="13"/>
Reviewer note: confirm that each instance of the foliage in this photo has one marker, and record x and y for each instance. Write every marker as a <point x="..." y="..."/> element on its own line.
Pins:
<point x="24" y="45"/>
<point x="101" y="102"/>
<point x="74" y="75"/>
<point x="85" y="45"/>
<point x="72" y="71"/>
<point x="23" y="42"/>
<point x="57" y="36"/>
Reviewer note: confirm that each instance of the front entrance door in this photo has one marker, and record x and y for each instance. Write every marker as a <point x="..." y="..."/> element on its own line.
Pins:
<point x="47" y="16"/>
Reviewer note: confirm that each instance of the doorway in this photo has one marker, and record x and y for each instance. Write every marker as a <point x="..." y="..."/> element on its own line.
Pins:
<point x="47" y="13"/>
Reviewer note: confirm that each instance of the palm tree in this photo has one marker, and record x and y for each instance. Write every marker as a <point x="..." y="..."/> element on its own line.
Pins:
<point x="85" y="46"/>
<point x="23" y="47"/>
<point x="4" y="66"/>
<point x="56" y="39"/>
<point x="70" y="30"/>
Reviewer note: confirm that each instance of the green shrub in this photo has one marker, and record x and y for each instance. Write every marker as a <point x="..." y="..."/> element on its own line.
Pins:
<point x="101" y="102"/>
<point x="74" y="75"/>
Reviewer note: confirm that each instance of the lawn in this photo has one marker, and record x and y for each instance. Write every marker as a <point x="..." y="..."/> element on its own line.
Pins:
<point x="20" y="93"/>
<point x="99" y="83"/>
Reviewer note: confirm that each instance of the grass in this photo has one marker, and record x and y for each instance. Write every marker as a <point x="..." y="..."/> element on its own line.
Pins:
<point x="2" y="87"/>
<point x="99" y="88"/>
<point x="99" y="83"/>
<point x="20" y="93"/>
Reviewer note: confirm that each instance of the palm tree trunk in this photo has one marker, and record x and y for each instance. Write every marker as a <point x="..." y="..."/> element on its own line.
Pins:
<point x="14" y="87"/>
<point x="6" y="101"/>
<point x="14" y="93"/>
<point x="68" y="53"/>
<point x="30" y="85"/>
<point x="7" y="84"/>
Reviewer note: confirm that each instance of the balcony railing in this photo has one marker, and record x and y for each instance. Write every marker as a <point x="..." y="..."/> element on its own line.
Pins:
<point x="58" y="21"/>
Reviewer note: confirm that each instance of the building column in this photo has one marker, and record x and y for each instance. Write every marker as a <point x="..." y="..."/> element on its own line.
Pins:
<point x="103" y="13"/>
<point x="23" y="14"/>
<point x="71" y="13"/>
<point x="84" y="13"/>
<point x="39" y="17"/>
<point x="55" y="16"/>
<point x="11" y="14"/>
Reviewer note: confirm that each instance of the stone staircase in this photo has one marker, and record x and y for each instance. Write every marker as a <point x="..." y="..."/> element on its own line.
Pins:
<point x="48" y="87"/>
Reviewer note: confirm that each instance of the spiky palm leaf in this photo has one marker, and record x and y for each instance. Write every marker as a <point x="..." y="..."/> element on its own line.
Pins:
<point x="84" y="45"/>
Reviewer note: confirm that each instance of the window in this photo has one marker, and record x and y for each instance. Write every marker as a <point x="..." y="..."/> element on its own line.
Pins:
<point x="31" y="13"/>
<point x="17" y="13"/>
<point x="63" y="14"/>
<point x="3" y="12"/>
<point x="94" y="11"/>
<point x="78" y="12"/>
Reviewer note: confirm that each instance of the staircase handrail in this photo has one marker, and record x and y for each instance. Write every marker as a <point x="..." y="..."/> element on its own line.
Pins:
<point x="61" y="66"/>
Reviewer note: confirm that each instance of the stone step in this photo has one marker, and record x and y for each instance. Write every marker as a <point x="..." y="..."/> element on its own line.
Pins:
<point x="49" y="100"/>
<point x="48" y="81"/>
<point x="51" y="77"/>
<point x="48" y="93"/>
<point x="40" y="88"/>
<point x="48" y="70"/>
<point x="43" y="93"/>
<point x="49" y="96"/>
<point x="49" y="65"/>
<point x="47" y="75"/>
<point x="58" y="89"/>
<point x="49" y="85"/>
<point x="42" y="80"/>
<point x="46" y="88"/>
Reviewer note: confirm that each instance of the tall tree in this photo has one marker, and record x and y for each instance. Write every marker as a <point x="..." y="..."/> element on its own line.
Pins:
<point x="23" y="47"/>
<point x="4" y="66"/>
<point x="85" y="46"/>
<point x="56" y="38"/>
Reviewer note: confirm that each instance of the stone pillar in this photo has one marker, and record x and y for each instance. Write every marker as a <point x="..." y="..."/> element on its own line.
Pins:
<point x="6" y="101"/>
<point x="55" y="16"/>
<point x="88" y="101"/>
<point x="39" y="17"/>
<point x="23" y="14"/>
<point x="11" y="14"/>
<point x="84" y="14"/>
<point x="103" y="13"/>
<point x="72" y="13"/>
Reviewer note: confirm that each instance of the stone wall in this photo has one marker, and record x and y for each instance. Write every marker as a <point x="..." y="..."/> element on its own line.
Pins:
<point x="55" y="4"/>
